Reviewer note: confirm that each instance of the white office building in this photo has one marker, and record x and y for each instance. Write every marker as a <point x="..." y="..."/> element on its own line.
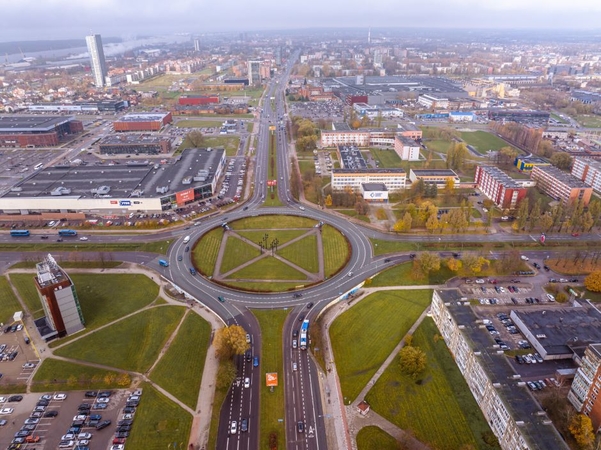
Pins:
<point x="97" y="61"/>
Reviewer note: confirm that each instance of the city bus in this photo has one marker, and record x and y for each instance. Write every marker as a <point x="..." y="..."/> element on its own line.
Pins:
<point x="303" y="334"/>
<point x="19" y="233"/>
<point x="67" y="233"/>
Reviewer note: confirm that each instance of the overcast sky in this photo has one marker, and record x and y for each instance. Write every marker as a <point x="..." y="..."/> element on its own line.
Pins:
<point x="63" y="19"/>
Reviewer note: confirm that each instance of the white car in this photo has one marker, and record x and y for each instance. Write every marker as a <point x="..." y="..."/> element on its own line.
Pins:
<point x="524" y="258"/>
<point x="6" y="411"/>
<point x="118" y="447"/>
<point x="133" y="398"/>
<point x="67" y="437"/>
<point x="138" y="392"/>
<point x="84" y="436"/>
<point x="247" y="338"/>
<point x="28" y="365"/>
<point x="60" y="397"/>
<point x="247" y="382"/>
<point x="83" y="442"/>
<point x="66" y="444"/>
<point x="2" y="399"/>
<point x="83" y="238"/>
<point x="479" y="281"/>
<point x="233" y="427"/>
<point x="103" y="400"/>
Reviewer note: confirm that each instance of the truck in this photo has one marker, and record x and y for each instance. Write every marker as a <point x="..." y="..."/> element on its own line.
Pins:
<point x="163" y="263"/>
<point x="186" y="239"/>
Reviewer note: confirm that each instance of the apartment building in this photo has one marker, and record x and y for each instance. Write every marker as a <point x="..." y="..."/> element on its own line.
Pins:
<point x="515" y="418"/>
<point x="589" y="171"/>
<point x="587" y="384"/>
<point x="406" y="148"/>
<point x="561" y="186"/>
<point x="440" y="177"/>
<point x="499" y="187"/>
<point x="392" y="179"/>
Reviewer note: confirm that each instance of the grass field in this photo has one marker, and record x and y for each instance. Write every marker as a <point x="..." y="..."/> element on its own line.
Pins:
<point x="190" y="123"/>
<point x="272" y="403"/>
<point x="267" y="222"/>
<point x="159" y="423"/>
<point x="180" y="369"/>
<point x="388" y="159"/>
<point x="303" y="253"/>
<point x="72" y="264"/>
<point x="282" y="235"/>
<point x="230" y="143"/>
<point x="438" y="146"/>
<point x="56" y="375"/>
<point x="353" y="213"/>
<point x="483" y="141"/>
<point x="131" y="344"/>
<point x="237" y="252"/>
<point x="439" y="409"/>
<point x="25" y="286"/>
<point x="268" y="268"/>
<point x="374" y="438"/>
<point x="8" y="302"/>
<point x="275" y="286"/>
<point x="400" y="275"/>
<point x="336" y="250"/>
<point x="589" y="121"/>
<point x="204" y="253"/>
<point x="388" y="315"/>
<point x="153" y="247"/>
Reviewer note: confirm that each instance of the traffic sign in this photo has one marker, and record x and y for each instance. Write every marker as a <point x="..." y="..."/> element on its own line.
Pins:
<point x="271" y="379"/>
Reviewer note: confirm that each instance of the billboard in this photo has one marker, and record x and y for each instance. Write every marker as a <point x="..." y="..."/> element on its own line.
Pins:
<point x="271" y="379"/>
<point x="182" y="197"/>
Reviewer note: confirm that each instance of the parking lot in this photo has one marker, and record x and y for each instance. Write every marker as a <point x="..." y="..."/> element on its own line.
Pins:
<point x="75" y="420"/>
<point x="17" y="359"/>
<point x="19" y="162"/>
<point x="331" y="109"/>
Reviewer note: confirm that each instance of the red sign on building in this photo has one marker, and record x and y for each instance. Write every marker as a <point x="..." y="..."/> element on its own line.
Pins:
<point x="183" y="197"/>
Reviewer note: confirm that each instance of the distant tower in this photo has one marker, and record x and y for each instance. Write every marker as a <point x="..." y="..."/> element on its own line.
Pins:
<point x="197" y="45"/>
<point x="369" y="36"/>
<point x="97" y="60"/>
<point x="59" y="300"/>
<point x="254" y="76"/>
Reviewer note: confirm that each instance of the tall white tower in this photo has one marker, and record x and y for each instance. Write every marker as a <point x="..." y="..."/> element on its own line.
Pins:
<point x="97" y="60"/>
<point x="369" y="36"/>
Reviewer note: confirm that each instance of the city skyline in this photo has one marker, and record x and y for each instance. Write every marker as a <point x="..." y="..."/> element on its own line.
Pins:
<point x="29" y="20"/>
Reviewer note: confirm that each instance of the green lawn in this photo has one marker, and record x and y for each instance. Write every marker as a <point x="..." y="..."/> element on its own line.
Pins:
<point x="72" y="264"/>
<point x="179" y="371"/>
<point x="400" y="275"/>
<point x="438" y="409"/>
<point x="589" y="121"/>
<point x="230" y="143"/>
<point x="353" y="213"/>
<point x="56" y="375"/>
<point x="268" y="268"/>
<point x="8" y="302"/>
<point x="204" y="253"/>
<point x="267" y="222"/>
<point x="374" y="438"/>
<point x="439" y="146"/>
<point x="336" y="250"/>
<point x="131" y="344"/>
<point x="387" y="315"/>
<point x="188" y="123"/>
<point x="388" y="159"/>
<point x="153" y="247"/>
<point x="159" y="423"/>
<point x="237" y="252"/>
<point x="282" y="235"/>
<point x="267" y="286"/>
<point x="25" y="286"/>
<point x="483" y="141"/>
<point x="272" y="403"/>
<point x="303" y="253"/>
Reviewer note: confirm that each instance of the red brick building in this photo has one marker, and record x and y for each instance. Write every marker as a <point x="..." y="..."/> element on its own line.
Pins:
<point x="186" y="100"/>
<point x="499" y="187"/>
<point x="36" y="131"/>
<point x="143" y="122"/>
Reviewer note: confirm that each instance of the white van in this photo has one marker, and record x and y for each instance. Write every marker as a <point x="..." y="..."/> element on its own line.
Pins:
<point x="186" y="239"/>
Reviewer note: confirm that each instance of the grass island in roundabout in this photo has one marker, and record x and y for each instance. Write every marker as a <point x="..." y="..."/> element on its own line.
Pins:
<point x="271" y="253"/>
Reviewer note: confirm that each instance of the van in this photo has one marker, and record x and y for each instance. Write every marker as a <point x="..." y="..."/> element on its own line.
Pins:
<point x="186" y="239"/>
<point x="163" y="263"/>
<point x="524" y="258"/>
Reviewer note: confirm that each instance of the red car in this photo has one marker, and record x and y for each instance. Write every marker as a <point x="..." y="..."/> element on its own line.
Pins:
<point x="119" y="441"/>
<point x="575" y="234"/>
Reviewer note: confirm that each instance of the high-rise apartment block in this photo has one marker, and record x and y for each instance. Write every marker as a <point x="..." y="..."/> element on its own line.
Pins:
<point x="97" y="61"/>
<point x="254" y="73"/>
<point x="59" y="299"/>
<point x="196" y="45"/>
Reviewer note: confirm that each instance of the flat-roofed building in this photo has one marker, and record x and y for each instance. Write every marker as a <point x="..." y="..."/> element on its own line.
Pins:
<point x="393" y="179"/>
<point x="135" y="144"/>
<point x="526" y="116"/>
<point x="499" y="187"/>
<point x="36" y="131"/>
<point x="410" y="131"/>
<point x="584" y="392"/>
<point x="406" y="148"/>
<point x="516" y="418"/>
<point x="589" y="171"/>
<point x="143" y="122"/>
<point x="197" y="99"/>
<point x="440" y="177"/>
<point x="560" y="185"/>
<point x="433" y="102"/>
<point x="525" y="164"/>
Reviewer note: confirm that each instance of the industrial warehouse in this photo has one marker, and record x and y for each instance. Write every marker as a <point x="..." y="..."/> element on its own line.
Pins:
<point x="36" y="131"/>
<point x="120" y="188"/>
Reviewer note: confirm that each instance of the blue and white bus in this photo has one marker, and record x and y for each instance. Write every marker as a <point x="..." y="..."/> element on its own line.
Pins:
<point x="304" y="331"/>
<point x="67" y="233"/>
<point x="19" y="233"/>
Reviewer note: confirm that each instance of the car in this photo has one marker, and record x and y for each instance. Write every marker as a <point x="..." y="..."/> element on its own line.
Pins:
<point x="187" y="249"/>
<point x="32" y="439"/>
<point x="247" y="382"/>
<point x="91" y="394"/>
<point x="46" y="397"/>
<point x="83" y="238"/>
<point x="295" y="333"/>
<point x="100" y="406"/>
<point x="192" y="271"/>
<point x="122" y="434"/>
<point x="6" y="411"/>
<point x="297" y="295"/>
<point x="125" y="422"/>
<point x="550" y="297"/>
<point x="60" y="396"/>
<point x="68" y="437"/>
<point x="79" y="417"/>
<point x="95" y="417"/>
<point x="479" y="281"/>
<point x="411" y="255"/>
<point x="28" y="366"/>
<point x="103" y="424"/>
<point x="105" y="394"/>
<point x="300" y="427"/>
<point x="524" y="258"/>
<point x="310" y="305"/>
<point x="350" y="274"/>
<point x="3" y="422"/>
<point x="294" y="343"/>
<point x="118" y="441"/>
<point x="138" y="392"/>
<point x="301" y="317"/>
<point x="15" y="398"/>
<point x="233" y="427"/>
<point x="302" y="208"/>
<point x="66" y="444"/>
<point x="51" y="413"/>
<point x="245" y="208"/>
<point x="42" y="403"/>
<point x="118" y="447"/>
<point x="133" y="398"/>
<point x="44" y="237"/>
<point x="129" y="410"/>
<point x="103" y="400"/>
<point x="84" y="436"/>
<point x="575" y="234"/>
<point x="247" y="338"/>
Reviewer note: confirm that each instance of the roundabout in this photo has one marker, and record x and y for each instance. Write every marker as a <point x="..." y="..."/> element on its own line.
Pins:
<point x="271" y="253"/>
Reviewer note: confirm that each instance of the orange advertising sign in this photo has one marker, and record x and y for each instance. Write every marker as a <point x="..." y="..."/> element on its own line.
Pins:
<point x="271" y="379"/>
<point x="183" y="197"/>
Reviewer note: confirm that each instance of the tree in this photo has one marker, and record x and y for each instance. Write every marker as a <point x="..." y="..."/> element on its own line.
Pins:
<point x="226" y="374"/>
<point x="561" y="160"/>
<point x="593" y="281"/>
<point x="413" y="361"/>
<point x="449" y="186"/>
<point x="456" y="156"/>
<point x="381" y="214"/>
<point x="328" y="201"/>
<point x="429" y="262"/>
<point x="230" y="341"/>
<point x="581" y="428"/>
<point x="522" y="214"/>
<point x="474" y="263"/>
<point x="403" y="225"/>
<point x="432" y="223"/>
<point x="195" y="138"/>
<point x="454" y="264"/>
